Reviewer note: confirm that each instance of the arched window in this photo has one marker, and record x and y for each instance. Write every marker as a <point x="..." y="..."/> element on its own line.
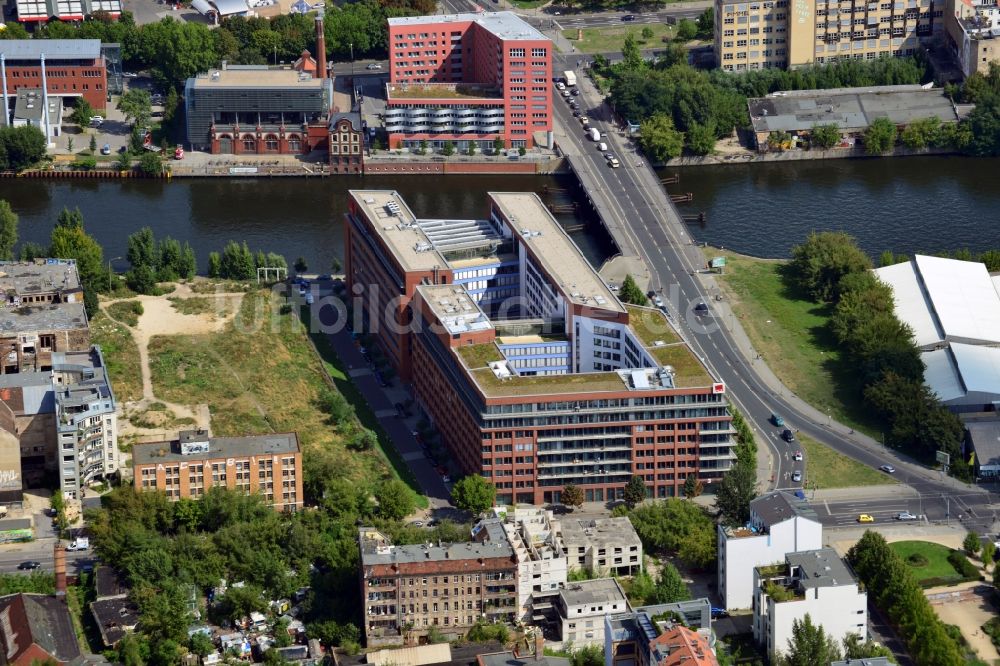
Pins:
<point x="271" y="143"/>
<point x="249" y="143"/>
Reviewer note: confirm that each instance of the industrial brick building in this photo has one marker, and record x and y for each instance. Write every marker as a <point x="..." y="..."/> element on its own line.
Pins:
<point x="534" y="373"/>
<point x="270" y="465"/>
<point x="406" y="590"/>
<point x="783" y="34"/>
<point x="468" y="78"/>
<point x="60" y="67"/>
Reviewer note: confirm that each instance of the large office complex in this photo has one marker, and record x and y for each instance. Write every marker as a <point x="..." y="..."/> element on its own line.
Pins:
<point x="534" y="373"/>
<point x="783" y="34"/>
<point x="58" y="67"/>
<point x="248" y="109"/>
<point x="468" y="78"/>
<point x="268" y="465"/>
<point x="408" y="589"/>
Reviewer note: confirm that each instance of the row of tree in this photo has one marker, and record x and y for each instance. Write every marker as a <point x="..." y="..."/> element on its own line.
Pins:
<point x="830" y="268"/>
<point x="152" y="261"/>
<point x="893" y="589"/>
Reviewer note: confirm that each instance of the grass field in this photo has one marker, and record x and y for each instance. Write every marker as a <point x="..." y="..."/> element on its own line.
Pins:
<point x="259" y="375"/>
<point x="603" y="40"/>
<point x="828" y="469"/>
<point x="791" y="333"/>
<point x="937" y="565"/>
<point x="120" y="355"/>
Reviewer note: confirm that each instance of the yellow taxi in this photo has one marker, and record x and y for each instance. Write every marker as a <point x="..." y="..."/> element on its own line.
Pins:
<point x="866" y="518"/>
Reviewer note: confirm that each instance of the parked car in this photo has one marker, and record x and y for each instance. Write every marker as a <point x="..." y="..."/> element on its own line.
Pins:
<point x="888" y="469"/>
<point x="866" y="518"/>
<point x="797" y="476"/>
<point x="905" y="515"/>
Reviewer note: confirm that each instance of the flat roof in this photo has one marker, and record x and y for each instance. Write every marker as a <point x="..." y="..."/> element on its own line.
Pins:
<point x="945" y="300"/>
<point x="396" y="224"/>
<point x="820" y="568"/>
<point x="848" y="108"/>
<point x="505" y="25"/>
<point x="778" y="506"/>
<point x="54" y="49"/>
<point x="535" y="227"/>
<point x="256" y="78"/>
<point x="596" y="591"/>
<point x="454" y="308"/>
<point x="218" y="447"/>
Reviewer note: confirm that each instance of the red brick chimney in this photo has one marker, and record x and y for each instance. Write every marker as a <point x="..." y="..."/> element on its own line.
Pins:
<point x="59" y="554"/>
<point x="320" y="47"/>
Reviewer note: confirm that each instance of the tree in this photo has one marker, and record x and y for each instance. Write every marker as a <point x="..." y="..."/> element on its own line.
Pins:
<point x="474" y="494"/>
<point x="692" y="486"/>
<point x="150" y="163"/>
<point x="825" y="137"/>
<point x="686" y="30"/>
<point x="300" y="265"/>
<point x="631" y="55"/>
<point x="971" y="544"/>
<point x="630" y="292"/>
<point x="670" y="587"/>
<point x="448" y="148"/>
<point x="701" y="138"/>
<point x="572" y="496"/>
<point x="735" y="492"/>
<point x="395" y="500"/>
<point x="880" y="136"/>
<point x="809" y="645"/>
<point x="660" y="139"/>
<point x="136" y="106"/>
<point x="635" y="492"/>
<point x="823" y="260"/>
<point x="8" y="231"/>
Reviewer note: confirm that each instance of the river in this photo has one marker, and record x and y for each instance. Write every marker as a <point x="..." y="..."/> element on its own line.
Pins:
<point x="907" y="205"/>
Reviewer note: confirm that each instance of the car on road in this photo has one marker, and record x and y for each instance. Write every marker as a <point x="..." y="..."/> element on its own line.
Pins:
<point x="888" y="469"/>
<point x="30" y="565"/>
<point x="797" y="476"/>
<point x="106" y="149"/>
<point x="777" y="420"/>
<point x="628" y="17"/>
<point x="789" y="436"/>
<point x="905" y="515"/>
<point x="373" y="65"/>
<point x="866" y="518"/>
<point x="797" y="456"/>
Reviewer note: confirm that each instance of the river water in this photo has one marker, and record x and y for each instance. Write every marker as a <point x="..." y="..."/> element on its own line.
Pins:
<point x="907" y="205"/>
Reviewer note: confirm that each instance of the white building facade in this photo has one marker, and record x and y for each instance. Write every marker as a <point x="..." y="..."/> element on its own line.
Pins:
<point x="780" y="523"/>
<point x="815" y="582"/>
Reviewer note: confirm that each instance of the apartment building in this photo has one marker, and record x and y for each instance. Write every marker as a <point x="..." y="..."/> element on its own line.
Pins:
<point x="468" y="78"/>
<point x="813" y="582"/>
<point x="606" y="546"/>
<point x="189" y="466"/>
<point x="408" y="589"/>
<point x="972" y="28"/>
<point x="647" y="636"/>
<point x="582" y="607"/>
<point x="534" y="373"/>
<point x="780" y="523"/>
<point x="783" y="34"/>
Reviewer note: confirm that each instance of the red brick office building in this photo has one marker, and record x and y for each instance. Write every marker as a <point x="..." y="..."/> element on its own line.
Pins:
<point x="533" y="372"/>
<point x="468" y="78"/>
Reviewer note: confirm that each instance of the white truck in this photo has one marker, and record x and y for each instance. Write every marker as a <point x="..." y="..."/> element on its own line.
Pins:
<point x="570" y="77"/>
<point x="79" y="543"/>
<point x="593" y="134"/>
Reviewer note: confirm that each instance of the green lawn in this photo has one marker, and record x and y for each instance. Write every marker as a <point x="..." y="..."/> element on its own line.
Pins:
<point x="825" y="468"/>
<point x="791" y="333"/>
<point x="937" y="565"/>
<point x="603" y="40"/>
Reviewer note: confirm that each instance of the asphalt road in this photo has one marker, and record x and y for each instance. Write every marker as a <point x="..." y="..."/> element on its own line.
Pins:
<point x="674" y="263"/>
